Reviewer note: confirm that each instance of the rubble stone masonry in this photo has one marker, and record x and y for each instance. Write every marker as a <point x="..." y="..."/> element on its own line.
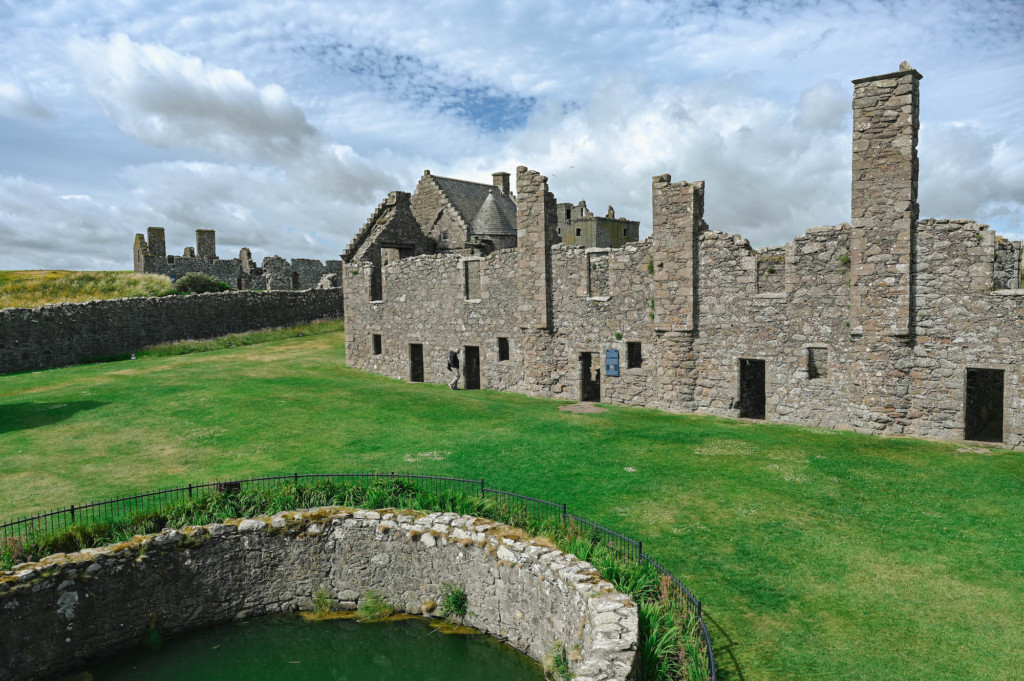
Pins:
<point x="872" y="325"/>
<point x="68" y="333"/>
<point x="59" y="612"/>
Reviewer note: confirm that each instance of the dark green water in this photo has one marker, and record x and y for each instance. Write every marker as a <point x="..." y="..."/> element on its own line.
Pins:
<point x="289" y="648"/>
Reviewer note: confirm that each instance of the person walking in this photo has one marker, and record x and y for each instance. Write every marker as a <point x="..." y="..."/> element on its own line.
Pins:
<point x="453" y="366"/>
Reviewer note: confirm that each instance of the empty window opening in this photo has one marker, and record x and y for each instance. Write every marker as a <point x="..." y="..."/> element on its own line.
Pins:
<point x="502" y="349"/>
<point x="376" y="283"/>
<point x="634" y="357"/>
<point x="752" y="393"/>
<point x="378" y="344"/>
<point x="472" y="367"/>
<point x="817" y="362"/>
<point x="983" y="408"/>
<point x="590" y="378"/>
<point x="241" y="284"/>
<point x="295" y="281"/>
<point x="771" y="271"/>
<point x="416" y="362"/>
<point x="471" y="281"/>
<point x="578" y="230"/>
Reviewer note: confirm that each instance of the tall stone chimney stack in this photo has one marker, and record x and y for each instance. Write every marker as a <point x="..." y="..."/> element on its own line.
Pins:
<point x="206" y="244"/>
<point x="884" y="209"/>
<point x="157" y="243"/>
<point x="535" y="227"/>
<point x="678" y="216"/>
<point x="501" y="181"/>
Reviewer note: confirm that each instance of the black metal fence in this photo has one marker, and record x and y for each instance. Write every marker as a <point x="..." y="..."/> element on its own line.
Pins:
<point x="538" y="510"/>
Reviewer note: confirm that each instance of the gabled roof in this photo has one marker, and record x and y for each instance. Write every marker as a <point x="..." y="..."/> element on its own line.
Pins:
<point x="468" y="198"/>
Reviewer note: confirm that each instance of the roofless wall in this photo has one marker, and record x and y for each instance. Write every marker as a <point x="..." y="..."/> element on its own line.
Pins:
<point x="885" y="325"/>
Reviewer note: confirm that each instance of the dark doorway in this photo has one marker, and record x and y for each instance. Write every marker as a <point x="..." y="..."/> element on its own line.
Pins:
<point x="472" y="367"/>
<point x="752" y="388"/>
<point x="983" y="408"/>
<point x="295" y="281"/>
<point x="416" y="362"/>
<point x="590" y="378"/>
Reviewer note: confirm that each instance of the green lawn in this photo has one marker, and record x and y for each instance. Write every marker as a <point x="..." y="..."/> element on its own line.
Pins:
<point x="818" y="555"/>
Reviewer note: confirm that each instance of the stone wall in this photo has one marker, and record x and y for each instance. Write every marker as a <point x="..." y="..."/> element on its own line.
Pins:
<point x="56" y="613"/>
<point x="276" y="273"/>
<point x="871" y="325"/>
<point x="59" y="335"/>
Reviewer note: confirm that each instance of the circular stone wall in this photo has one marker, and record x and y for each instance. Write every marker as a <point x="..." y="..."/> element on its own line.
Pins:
<point x="66" y="608"/>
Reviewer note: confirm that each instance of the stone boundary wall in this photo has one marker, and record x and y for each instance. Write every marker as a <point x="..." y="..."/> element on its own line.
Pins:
<point x="67" y="333"/>
<point x="66" y="608"/>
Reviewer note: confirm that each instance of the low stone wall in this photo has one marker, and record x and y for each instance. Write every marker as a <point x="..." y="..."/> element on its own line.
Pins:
<point x="56" y="613"/>
<point x="59" y="335"/>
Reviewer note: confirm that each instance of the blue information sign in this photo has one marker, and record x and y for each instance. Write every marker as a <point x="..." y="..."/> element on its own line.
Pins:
<point x="611" y="362"/>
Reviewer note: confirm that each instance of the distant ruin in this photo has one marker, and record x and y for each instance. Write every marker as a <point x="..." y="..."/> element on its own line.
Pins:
<point x="241" y="273"/>
<point x="888" y="324"/>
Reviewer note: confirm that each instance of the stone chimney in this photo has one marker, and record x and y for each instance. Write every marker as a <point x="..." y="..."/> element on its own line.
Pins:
<point x="501" y="182"/>
<point x="884" y="209"/>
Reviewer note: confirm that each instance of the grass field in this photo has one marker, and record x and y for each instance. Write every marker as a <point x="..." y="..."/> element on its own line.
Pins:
<point x="32" y="288"/>
<point x="817" y="554"/>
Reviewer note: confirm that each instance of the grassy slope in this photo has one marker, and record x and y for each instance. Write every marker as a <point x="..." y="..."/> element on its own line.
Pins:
<point x="818" y="554"/>
<point x="32" y="288"/>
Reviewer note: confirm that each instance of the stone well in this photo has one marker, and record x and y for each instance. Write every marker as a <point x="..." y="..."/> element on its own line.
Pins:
<point x="69" y="607"/>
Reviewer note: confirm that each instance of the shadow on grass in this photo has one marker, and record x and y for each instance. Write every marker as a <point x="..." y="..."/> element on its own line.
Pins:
<point x="727" y="671"/>
<point x="35" y="414"/>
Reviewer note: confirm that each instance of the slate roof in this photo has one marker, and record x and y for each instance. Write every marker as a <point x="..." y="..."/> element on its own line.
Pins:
<point x="470" y="198"/>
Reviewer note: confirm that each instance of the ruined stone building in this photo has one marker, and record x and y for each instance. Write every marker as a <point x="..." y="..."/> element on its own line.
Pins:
<point x="887" y="324"/>
<point x="241" y="273"/>
<point x="577" y="226"/>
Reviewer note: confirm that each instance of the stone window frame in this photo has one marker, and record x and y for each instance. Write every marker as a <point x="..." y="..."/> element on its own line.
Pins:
<point x="504" y="349"/>
<point x="464" y="266"/>
<point x="639" y="355"/>
<point x="807" y="361"/>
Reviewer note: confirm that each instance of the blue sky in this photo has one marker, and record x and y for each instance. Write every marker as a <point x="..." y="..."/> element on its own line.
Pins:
<point x="282" y="124"/>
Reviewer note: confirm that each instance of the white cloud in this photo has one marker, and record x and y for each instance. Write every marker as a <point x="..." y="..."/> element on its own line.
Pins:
<point x="18" y="101"/>
<point x="171" y="100"/>
<point x="279" y="124"/>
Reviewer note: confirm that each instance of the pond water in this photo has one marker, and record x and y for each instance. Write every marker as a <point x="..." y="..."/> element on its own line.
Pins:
<point x="290" y="648"/>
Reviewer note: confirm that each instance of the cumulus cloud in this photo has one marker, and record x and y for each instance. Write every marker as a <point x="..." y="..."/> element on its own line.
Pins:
<point x="18" y="101"/>
<point x="825" y="107"/>
<point x="968" y="172"/>
<point x="171" y="100"/>
<point x="324" y="109"/>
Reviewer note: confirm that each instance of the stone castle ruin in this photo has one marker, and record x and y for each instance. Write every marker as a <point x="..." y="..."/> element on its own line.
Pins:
<point x="241" y="273"/>
<point x="887" y="324"/>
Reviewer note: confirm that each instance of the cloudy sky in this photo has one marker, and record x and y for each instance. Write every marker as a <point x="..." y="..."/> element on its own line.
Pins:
<point x="281" y="124"/>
